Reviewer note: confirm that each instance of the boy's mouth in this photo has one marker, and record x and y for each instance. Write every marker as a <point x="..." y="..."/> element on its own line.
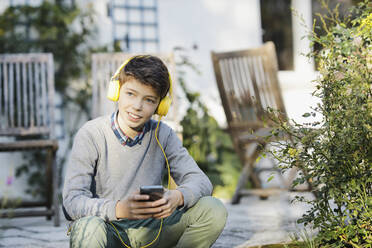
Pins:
<point x="134" y="116"/>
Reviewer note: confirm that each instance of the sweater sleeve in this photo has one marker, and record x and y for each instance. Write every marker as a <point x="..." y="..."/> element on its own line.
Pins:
<point x="78" y="198"/>
<point x="190" y="179"/>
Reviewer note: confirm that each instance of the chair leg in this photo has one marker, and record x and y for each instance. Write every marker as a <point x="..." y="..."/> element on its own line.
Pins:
<point x="55" y="191"/>
<point x="247" y="173"/>
<point x="49" y="180"/>
<point x="241" y="183"/>
<point x="291" y="176"/>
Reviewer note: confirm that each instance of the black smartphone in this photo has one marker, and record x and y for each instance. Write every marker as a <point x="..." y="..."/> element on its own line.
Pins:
<point x="154" y="191"/>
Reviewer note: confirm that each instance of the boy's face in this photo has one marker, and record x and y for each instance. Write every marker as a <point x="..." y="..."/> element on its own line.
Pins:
<point x="137" y="103"/>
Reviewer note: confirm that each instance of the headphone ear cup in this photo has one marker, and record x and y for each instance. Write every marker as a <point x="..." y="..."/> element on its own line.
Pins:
<point x="164" y="106"/>
<point x="113" y="90"/>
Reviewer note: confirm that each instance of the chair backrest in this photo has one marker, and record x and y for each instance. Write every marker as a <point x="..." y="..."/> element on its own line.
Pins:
<point x="104" y="65"/>
<point x="26" y="94"/>
<point x="248" y="84"/>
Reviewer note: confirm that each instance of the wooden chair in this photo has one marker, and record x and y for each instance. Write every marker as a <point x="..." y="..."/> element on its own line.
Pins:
<point x="26" y="119"/>
<point x="248" y="84"/>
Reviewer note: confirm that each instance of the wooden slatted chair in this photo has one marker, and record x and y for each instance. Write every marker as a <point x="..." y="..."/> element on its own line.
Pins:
<point x="27" y="122"/>
<point x="248" y="84"/>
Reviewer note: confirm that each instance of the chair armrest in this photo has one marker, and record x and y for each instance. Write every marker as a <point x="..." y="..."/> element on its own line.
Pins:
<point x="29" y="145"/>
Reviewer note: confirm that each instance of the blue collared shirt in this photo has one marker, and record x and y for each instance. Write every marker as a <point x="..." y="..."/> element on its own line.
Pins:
<point x="124" y="139"/>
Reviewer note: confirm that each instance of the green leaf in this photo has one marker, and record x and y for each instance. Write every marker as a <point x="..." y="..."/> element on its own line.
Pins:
<point x="270" y="178"/>
<point x="258" y="159"/>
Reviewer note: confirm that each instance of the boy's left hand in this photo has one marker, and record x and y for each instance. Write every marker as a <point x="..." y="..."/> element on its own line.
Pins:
<point x="173" y="200"/>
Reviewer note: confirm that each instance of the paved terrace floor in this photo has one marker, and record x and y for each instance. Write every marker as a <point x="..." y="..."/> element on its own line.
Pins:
<point x="252" y="222"/>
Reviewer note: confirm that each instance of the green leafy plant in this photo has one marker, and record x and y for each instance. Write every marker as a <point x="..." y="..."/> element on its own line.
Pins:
<point x="56" y="28"/>
<point x="335" y="154"/>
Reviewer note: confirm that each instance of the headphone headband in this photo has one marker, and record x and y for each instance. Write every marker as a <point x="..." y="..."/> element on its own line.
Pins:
<point x="120" y="68"/>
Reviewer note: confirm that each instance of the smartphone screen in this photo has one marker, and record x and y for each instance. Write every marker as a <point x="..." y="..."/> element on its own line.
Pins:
<point x="154" y="191"/>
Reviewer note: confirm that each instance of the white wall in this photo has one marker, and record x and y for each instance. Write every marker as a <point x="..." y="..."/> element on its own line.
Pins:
<point x="301" y="25"/>
<point x="297" y="88"/>
<point x="103" y="22"/>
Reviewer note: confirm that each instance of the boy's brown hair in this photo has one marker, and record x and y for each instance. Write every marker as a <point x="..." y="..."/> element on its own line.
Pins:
<point x="149" y="70"/>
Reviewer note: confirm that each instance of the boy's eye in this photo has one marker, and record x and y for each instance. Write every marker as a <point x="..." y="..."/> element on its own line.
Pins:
<point x="129" y="93"/>
<point x="150" y="100"/>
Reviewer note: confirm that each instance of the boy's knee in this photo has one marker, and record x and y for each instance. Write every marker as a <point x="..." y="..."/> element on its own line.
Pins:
<point x="215" y="211"/>
<point x="89" y="231"/>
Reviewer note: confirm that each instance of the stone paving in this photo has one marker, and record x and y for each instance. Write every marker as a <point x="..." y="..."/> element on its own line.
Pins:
<point x="259" y="222"/>
<point x="252" y="222"/>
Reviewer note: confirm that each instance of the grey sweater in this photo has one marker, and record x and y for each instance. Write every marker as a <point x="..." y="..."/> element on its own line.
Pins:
<point x="101" y="171"/>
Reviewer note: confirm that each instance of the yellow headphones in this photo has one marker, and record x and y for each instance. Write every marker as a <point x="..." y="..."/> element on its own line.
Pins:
<point x="114" y="91"/>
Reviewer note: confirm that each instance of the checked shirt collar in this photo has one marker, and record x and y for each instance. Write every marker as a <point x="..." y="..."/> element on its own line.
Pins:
<point x="124" y="139"/>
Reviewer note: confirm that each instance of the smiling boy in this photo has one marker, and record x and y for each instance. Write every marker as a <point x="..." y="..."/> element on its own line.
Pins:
<point x="114" y="155"/>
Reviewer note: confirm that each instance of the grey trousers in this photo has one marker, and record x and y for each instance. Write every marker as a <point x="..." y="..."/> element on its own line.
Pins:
<point x="197" y="227"/>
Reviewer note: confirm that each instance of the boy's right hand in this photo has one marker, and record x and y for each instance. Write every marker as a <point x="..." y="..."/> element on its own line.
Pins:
<point x="138" y="206"/>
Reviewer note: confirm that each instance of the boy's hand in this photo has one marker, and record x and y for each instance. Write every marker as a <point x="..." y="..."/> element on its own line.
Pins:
<point x="137" y="206"/>
<point x="173" y="199"/>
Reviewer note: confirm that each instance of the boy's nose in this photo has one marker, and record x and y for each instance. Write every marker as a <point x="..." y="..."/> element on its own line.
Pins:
<point x="138" y="104"/>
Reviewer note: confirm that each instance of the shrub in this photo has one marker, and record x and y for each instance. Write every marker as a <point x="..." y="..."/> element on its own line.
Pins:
<point x="335" y="154"/>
